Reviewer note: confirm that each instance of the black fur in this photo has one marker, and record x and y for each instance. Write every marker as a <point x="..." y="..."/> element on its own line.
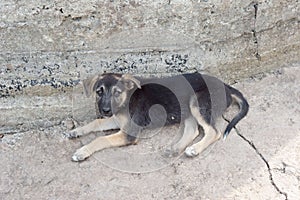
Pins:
<point x="244" y="107"/>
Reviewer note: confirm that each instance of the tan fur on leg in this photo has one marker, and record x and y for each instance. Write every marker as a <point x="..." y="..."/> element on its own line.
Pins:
<point x="96" y="125"/>
<point x="115" y="140"/>
<point x="189" y="134"/>
<point x="210" y="134"/>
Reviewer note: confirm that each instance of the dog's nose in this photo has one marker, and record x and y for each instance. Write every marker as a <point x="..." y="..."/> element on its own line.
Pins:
<point x="106" y="110"/>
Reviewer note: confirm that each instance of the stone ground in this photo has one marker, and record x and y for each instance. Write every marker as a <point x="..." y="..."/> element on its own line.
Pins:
<point x="259" y="160"/>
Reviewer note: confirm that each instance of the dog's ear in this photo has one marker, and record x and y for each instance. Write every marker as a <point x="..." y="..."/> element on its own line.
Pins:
<point x="129" y="82"/>
<point x="89" y="85"/>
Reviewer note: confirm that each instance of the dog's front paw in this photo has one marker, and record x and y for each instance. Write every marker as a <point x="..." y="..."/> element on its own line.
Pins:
<point x="72" y="134"/>
<point x="81" y="154"/>
<point x="191" y="151"/>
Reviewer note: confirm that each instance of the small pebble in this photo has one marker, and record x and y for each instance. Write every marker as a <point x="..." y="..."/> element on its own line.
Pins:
<point x="69" y="124"/>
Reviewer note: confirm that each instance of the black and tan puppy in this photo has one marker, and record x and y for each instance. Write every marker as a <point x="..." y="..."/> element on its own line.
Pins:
<point x="131" y="104"/>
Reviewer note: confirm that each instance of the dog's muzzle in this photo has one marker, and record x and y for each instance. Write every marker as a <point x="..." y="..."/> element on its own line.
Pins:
<point x="106" y="112"/>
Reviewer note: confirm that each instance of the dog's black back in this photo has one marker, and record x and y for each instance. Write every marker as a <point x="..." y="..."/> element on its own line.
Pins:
<point x="173" y="94"/>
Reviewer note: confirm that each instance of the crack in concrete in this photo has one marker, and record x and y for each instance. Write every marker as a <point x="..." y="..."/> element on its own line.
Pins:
<point x="288" y="169"/>
<point x="255" y="39"/>
<point x="265" y="161"/>
<point x="282" y="169"/>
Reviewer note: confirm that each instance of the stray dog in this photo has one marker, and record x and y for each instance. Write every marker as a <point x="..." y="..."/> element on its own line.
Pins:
<point x="129" y="104"/>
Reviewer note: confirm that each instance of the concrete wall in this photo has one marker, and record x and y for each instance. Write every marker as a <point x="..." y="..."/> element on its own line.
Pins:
<point x="46" y="47"/>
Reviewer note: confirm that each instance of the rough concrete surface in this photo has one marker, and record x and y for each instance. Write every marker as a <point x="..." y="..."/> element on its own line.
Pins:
<point x="259" y="160"/>
<point x="54" y="43"/>
<point x="47" y="47"/>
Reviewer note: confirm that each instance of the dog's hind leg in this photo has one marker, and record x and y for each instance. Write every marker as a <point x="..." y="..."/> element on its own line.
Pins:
<point x="103" y="142"/>
<point x="96" y="125"/>
<point x="189" y="134"/>
<point x="211" y="135"/>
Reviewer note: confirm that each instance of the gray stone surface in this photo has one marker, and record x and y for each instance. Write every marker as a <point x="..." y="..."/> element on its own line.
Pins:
<point x="47" y="47"/>
<point x="259" y="160"/>
<point x="55" y="43"/>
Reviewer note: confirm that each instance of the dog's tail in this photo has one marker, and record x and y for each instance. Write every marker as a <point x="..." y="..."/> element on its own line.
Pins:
<point x="238" y="98"/>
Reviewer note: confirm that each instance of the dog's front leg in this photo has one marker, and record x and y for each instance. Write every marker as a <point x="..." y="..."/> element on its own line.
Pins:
<point x="115" y="140"/>
<point x="96" y="125"/>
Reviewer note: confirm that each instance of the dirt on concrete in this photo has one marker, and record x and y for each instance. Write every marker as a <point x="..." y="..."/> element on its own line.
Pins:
<point x="259" y="160"/>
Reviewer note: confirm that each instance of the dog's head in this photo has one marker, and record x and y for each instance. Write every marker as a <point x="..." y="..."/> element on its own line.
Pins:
<point x="112" y="91"/>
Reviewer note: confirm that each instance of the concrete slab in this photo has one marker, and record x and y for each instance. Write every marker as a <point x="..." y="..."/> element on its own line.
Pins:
<point x="259" y="160"/>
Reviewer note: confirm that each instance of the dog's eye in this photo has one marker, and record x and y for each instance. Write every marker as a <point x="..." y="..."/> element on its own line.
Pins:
<point x="117" y="93"/>
<point x="100" y="90"/>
